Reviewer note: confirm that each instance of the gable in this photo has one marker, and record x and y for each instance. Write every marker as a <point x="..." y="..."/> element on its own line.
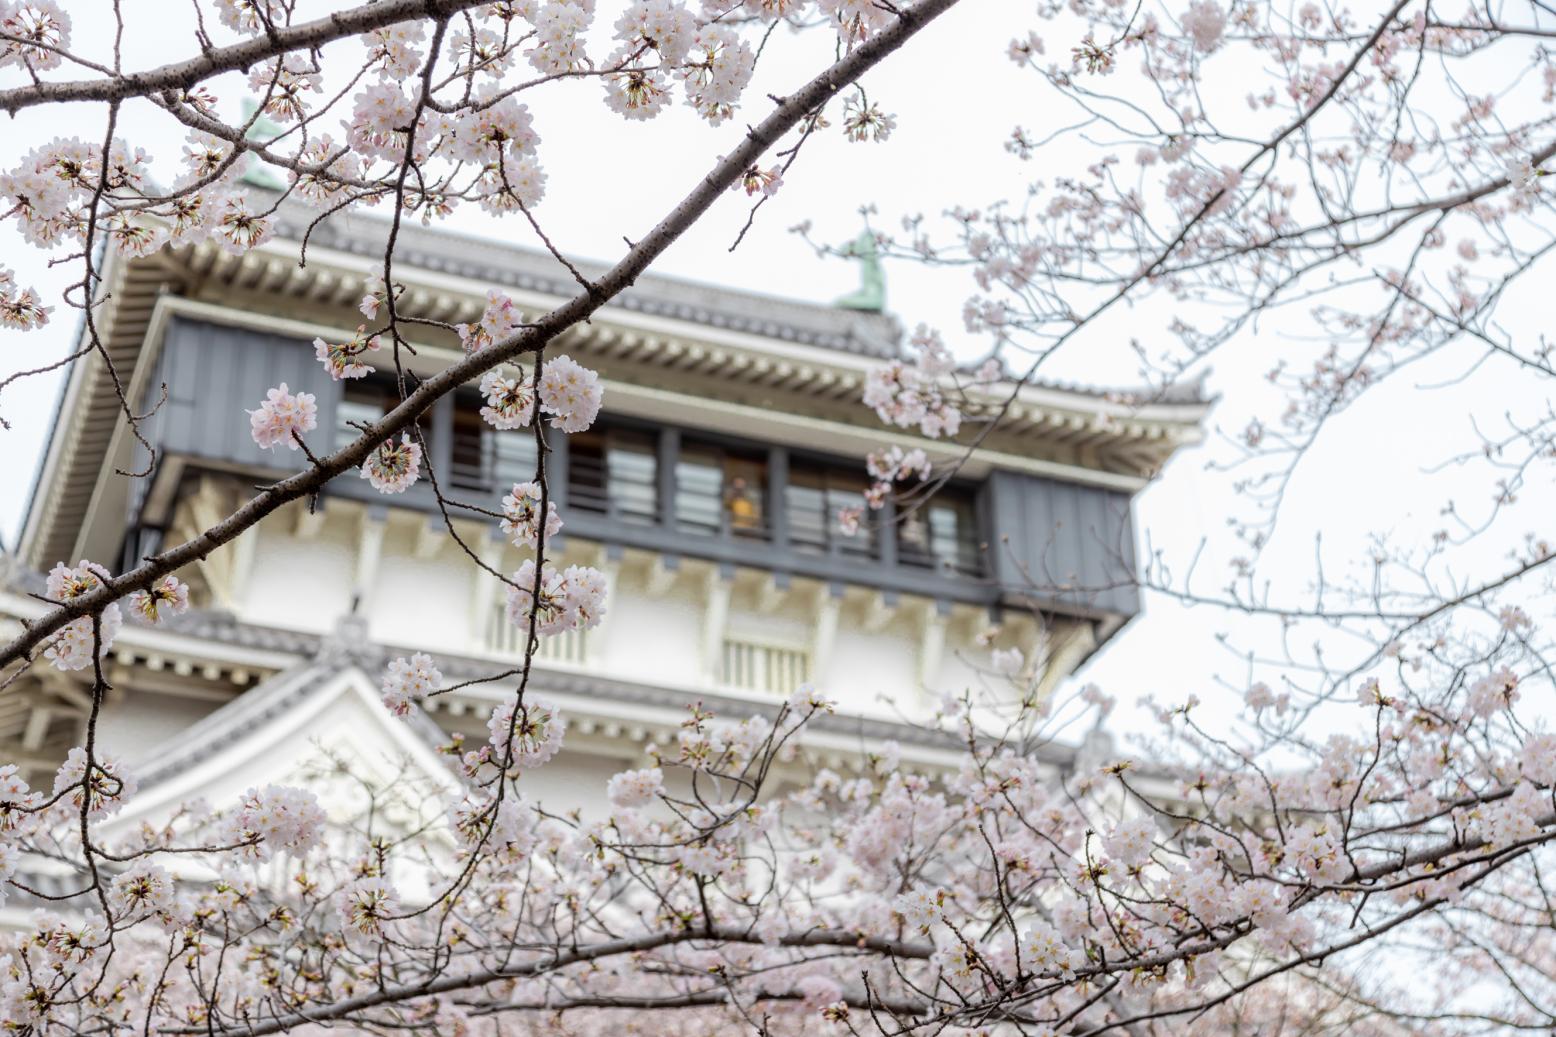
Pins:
<point x="319" y="726"/>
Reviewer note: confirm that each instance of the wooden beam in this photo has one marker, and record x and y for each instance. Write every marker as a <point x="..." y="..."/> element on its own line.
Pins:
<point x="829" y="605"/>
<point x="37" y="728"/>
<point x="719" y="583"/>
<point x="662" y="573"/>
<point x="1068" y="642"/>
<point x="429" y="538"/>
<point x="370" y="549"/>
<point x="933" y="619"/>
<point x="484" y="586"/>
<point x="307" y="522"/>
<point x="771" y="592"/>
<point x="880" y="608"/>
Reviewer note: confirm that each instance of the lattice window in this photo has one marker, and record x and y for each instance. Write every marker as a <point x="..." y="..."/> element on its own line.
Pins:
<point x="763" y="666"/>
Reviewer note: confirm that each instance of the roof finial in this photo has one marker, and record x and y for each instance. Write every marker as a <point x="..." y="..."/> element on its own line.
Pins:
<point x="261" y="131"/>
<point x="871" y="295"/>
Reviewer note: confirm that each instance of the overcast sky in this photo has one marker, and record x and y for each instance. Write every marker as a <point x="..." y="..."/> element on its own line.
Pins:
<point x="956" y="97"/>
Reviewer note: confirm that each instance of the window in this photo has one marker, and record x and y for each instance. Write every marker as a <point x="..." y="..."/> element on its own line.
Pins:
<point x="942" y="533"/>
<point x="758" y="666"/>
<point x="718" y="491"/>
<point x="364" y="401"/>
<point x="361" y="402"/>
<point x="814" y="498"/>
<point x="953" y="535"/>
<point x="614" y="471"/>
<point x="485" y="458"/>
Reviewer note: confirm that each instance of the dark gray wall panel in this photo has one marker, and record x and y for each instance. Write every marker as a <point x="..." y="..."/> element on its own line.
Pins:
<point x="1075" y="542"/>
<point x="1063" y="542"/>
<point x="215" y="374"/>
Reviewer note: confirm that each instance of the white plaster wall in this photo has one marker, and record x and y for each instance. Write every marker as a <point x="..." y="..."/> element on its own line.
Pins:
<point x="780" y="628"/>
<point x="424" y="603"/>
<point x="299" y="584"/>
<point x="958" y="672"/>
<point x="864" y="666"/>
<point x="654" y="640"/>
<point x="141" y="721"/>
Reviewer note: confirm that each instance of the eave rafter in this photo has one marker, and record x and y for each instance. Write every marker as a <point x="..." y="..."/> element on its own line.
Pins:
<point x="1070" y="419"/>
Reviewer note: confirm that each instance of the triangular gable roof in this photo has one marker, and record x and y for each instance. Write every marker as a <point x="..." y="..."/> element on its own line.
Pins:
<point x="280" y="731"/>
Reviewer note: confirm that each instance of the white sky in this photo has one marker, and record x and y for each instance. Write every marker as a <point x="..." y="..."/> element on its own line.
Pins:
<point x="956" y="97"/>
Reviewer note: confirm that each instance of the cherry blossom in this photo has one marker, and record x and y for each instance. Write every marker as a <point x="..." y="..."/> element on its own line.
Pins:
<point x="72" y="648"/>
<point x="344" y="359"/>
<point x="20" y="308"/>
<point x="631" y="790"/>
<point x="521" y="515"/>
<point x="1130" y="842"/>
<point x="36" y="31"/>
<point x="760" y="181"/>
<point x="510" y="403"/>
<point x="99" y="789"/>
<point x="407" y="682"/>
<point x="366" y="904"/>
<point x="169" y="596"/>
<point x="500" y="319"/>
<point x="1205" y="22"/>
<point x="862" y="122"/>
<point x="393" y="467"/>
<point x="283" y="418"/>
<point x="275" y="819"/>
<point x="573" y="599"/>
<point x="145" y="890"/>
<point x="526" y="736"/>
<point x="570" y="393"/>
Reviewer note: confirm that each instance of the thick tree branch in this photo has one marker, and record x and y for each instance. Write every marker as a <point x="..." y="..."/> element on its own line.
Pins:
<point x="184" y="74"/>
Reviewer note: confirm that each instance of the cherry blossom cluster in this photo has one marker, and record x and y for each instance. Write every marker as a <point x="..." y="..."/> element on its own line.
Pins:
<point x="921" y="394"/>
<point x="345" y="359"/>
<point x="282" y="418"/>
<point x="660" y="42"/>
<point x="392" y="467"/>
<point x="510" y="402"/>
<point x="521" y="515"/>
<point x="20" y="308"/>
<point x="570" y="393"/>
<point x="1181" y="219"/>
<point x="167" y="597"/>
<point x="887" y="467"/>
<point x="522" y="736"/>
<point x="408" y="682"/>
<point x="95" y="787"/>
<point x="73" y="647"/>
<point x="573" y="599"/>
<point x="35" y="32"/>
<point x="483" y="138"/>
<point x="499" y="320"/>
<point x="274" y="819"/>
<point x="632" y="790"/>
<point x="891" y="883"/>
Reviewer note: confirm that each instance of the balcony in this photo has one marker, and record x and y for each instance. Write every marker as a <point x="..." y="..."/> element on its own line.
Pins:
<point x="678" y="490"/>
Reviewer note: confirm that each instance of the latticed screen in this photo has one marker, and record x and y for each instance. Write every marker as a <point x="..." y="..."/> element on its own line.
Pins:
<point x="756" y="666"/>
